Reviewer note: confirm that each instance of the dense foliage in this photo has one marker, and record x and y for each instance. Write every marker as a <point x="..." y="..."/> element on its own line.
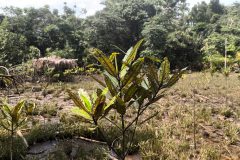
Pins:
<point x="132" y="85"/>
<point x="188" y="37"/>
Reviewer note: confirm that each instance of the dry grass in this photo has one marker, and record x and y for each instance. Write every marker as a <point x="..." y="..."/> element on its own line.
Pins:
<point x="170" y="134"/>
<point x="217" y="120"/>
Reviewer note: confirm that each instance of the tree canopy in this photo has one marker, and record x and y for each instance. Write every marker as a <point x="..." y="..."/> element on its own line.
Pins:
<point x="169" y="27"/>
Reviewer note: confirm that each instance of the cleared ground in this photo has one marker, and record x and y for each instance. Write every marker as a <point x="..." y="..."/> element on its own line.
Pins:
<point x="211" y="103"/>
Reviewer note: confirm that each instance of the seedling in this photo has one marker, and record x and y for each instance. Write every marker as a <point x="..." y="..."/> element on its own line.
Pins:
<point x="131" y="83"/>
<point x="13" y="118"/>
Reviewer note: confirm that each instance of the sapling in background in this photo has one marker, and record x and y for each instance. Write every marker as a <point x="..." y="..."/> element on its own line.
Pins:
<point x="130" y="84"/>
<point x="5" y="78"/>
<point x="226" y="73"/>
<point x="29" y="109"/>
<point x="12" y="119"/>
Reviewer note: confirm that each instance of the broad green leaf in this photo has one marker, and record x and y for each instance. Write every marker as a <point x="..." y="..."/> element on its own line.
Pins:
<point x="123" y="72"/>
<point x="175" y="78"/>
<point x="105" y="61"/>
<point x="145" y="83"/>
<point x="130" y="92"/>
<point x="131" y="54"/>
<point x="113" y="58"/>
<point x="120" y="106"/>
<point x="152" y="72"/>
<point x="6" y="111"/>
<point x="112" y="87"/>
<point x="164" y="71"/>
<point x="100" y="82"/>
<point x="113" y="55"/>
<point x="110" y="103"/>
<point x="133" y="72"/>
<point x="98" y="108"/>
<point x="112" y="78"/>
<point x="127" y="54"/>
<point x="16" y="111"/>
<point x="152" y="77"/>
<point x="104" y="91"/>
<point x="77" y="101"/>
<point x="82" y="113"/>
<point x="141" y="94"/>
<point x="136" y="81"/>
<point x="153" y="59"/>
<point x="85" y="99"/>
<point x="7" y="108"/>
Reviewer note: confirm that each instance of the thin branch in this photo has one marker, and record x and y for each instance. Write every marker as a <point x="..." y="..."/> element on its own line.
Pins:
<point x="104" y="138"/>
<point x="6" y="70"/>
<point x="147" y="119"/>
<point x="134" y="131"/>
<point x="112" y="122"/>
<point x="140" y="113"/>
<point x="123" y="137"/>
<point x="118" y="48"/>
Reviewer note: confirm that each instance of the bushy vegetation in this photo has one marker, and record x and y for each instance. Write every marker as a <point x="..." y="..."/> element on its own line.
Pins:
<point x="134" y="107"/>
<point x="169" y="135"/>
<point x="132" y="86"/>
<point x="188" y="37"/>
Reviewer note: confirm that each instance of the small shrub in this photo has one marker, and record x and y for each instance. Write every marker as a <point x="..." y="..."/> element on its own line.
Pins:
<point x="228" y="113"/>
<point x="129" y="84"/>
<point x="12" y="119"/>
<point x="210" y="153"/>
<point x="50" y="109"/>
<point x="232" y="132"/>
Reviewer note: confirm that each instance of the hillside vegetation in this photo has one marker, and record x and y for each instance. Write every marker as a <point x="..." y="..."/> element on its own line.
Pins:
<point x="140" y="79"/>
<point x="195" y="37"/>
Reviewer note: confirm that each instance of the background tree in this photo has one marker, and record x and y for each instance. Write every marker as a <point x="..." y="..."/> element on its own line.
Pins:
<point x="12" y="45"/>
<point x="186" y="36"/>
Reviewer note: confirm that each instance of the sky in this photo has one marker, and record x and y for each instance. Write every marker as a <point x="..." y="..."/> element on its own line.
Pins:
<point x="90" y="5"/>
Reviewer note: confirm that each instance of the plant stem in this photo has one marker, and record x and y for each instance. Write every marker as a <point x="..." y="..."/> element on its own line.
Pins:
<point x="112" y="122"/>
<point x="226" y="72"/>
<point x="11" y="149"/>
<point x="137" y="118"/>
<point x="141" y="112"/>
<point x="104" y="138"/>
<point x="194" y="126"/>
<point x="136" y="123"/>
<point x="226" y="91"/>
<point x="123" y="138"/>
<point x="123" y="154"/>
<point x="149" y="118"/>
<point x="225" y="52"/>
